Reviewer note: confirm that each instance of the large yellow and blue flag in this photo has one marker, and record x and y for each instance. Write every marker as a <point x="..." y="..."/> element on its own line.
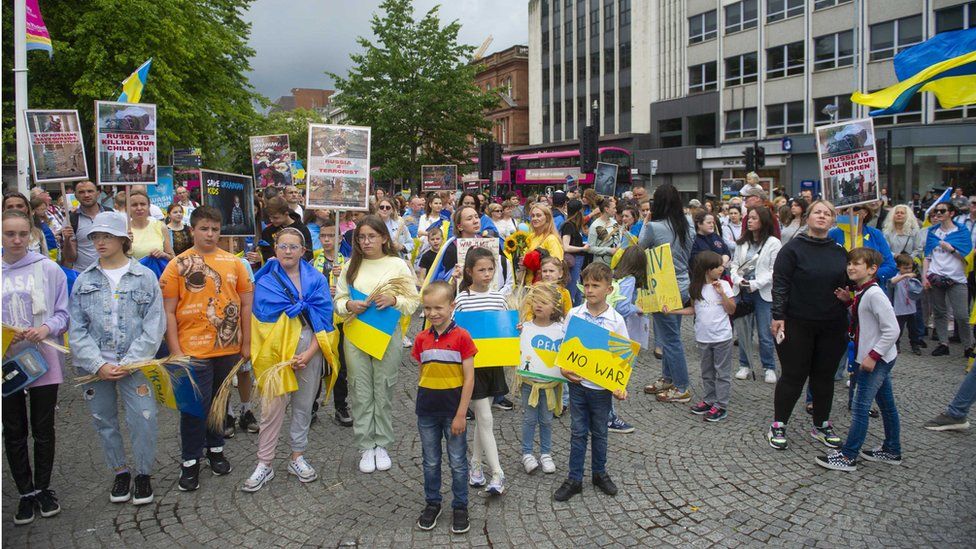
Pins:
<point x="495" y="334"/>
<point x="371" y="330"/>
<point x="944" y="65"/>
<point x="133" y="85"/>
<point x="280" y="312"/>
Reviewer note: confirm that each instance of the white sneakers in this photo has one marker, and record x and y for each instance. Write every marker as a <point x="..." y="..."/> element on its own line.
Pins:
<point x="476" y="476"/>
<point x="548" y="467"/>
<point x="261" y="475"/>
<point x="497" y="486"/>
<point x="407" y="342"/>
<point x="367" y="463"/>
<point x="770" y="376"/>
<point x="301" y="469"/>
<point x="383" y="461"/>
<point x="530" y="463"/>
<point x="743" y="373"/>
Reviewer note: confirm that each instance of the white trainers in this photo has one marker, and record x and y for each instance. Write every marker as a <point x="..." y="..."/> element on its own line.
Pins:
<point x="301" y="469"/>
<point x="476" y="476"/>
<point x="743" y="373"/>
<point x="261" y="475"/>
<point x="548" y="466"/>
<point x="407" y="342"/>
<point x="367" y="463"/>
<point x="770" y="376"/>
<point x="383" y="461"/>
<point x="530" y="463"/>
<point x="497" y="485"/>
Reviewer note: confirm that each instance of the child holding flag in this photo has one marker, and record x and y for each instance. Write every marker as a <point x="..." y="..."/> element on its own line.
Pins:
<point x="590" y="403"/>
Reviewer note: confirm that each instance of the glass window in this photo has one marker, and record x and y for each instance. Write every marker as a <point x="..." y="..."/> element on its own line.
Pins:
<point x="821" y="4"/>
<point x="702" y="77"/>
<point x="784" y="118"/>
<point x="545" y="78"/>
<point x="624" y="13"/>
<point x="957" y="113"/>
<point x="625" y="99"/>
<point x="625" y="55"/>
<point x="833" y="50"/>
<point x="911" y="115"/>
<point x="608" y="17"/>
<point x="740" y="69"/>
<point x="594" y="64"/>
<point x="568" y="33"/>
<point x="956" y="18"/>
<point x="581" y="110"/>
<point x="784" y="60"/>
<point x="595" y="23"/>
<point x="782" y="9"/>
<point x="891" y="37"/>
<point x="741" y="16"/>
<point x="843" y="104"/>
<point x="740" y="123"/>
<point x="701" y="27"/>
<point x="608" y="104"/>
<point x="545" y="40"/>
<point x="581" y="68"/>
<point x="580" y="29"/>
<point x="608" y="61"/>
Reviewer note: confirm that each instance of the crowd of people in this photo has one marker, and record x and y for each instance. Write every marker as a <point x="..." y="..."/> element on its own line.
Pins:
<point x="123" y="282"/>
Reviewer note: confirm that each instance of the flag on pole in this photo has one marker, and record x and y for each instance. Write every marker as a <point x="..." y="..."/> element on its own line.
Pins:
<point x="133" y="85"/>
<point x="37" y="36"/>
<point x="944" y="197"/>
<point x="944" y="65"/>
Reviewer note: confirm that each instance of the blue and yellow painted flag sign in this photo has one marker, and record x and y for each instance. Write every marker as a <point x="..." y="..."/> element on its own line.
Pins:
<point x="495" y="334"/>
<point x="597" y="354"/>
<point x="662" y="282"/>
<point x="371" y="330"/>
<point x="173" y="389"/>
<point x="944" y="65"/>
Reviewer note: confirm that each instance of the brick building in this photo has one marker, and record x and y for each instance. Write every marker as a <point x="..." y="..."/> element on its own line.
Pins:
<point x="507" y="73"/>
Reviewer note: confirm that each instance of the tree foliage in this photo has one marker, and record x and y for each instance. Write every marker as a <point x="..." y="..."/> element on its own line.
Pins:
<point x="198" y="78"/>
<point x="414" y="86"/>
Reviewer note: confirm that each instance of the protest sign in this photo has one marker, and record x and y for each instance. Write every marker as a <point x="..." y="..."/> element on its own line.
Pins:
<point x="338" y="167"/>
<point x="233" y="195"/>
<point x="494" y="333"/>
<point x="848" y="162"/>
<point x="438" y="178"/>
<point x="57" y="151"/>
<point x="662" y="282"/>
<point x="538" y="349"/>
<point x="371" y="330"/>
<point x="465" y="244"/>
<point x="605" y="183"/>
<point x="597" y="354"/>
<point x="126" y="143"/>
<point x="731" y="187"/>
<point x="161" y="194"/>
<point x="271" y="160"/>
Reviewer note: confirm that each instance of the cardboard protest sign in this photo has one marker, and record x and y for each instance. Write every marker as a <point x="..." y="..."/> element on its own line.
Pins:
<point x="465" y="244"/>
<point x="538" y="349"/>
<point x="597" y="354"/>
<point x="126" y="143"/>
<point x="233" y="195"/>
<point x="438" y="178"/>
<point x="662" y="282"/>
<point x="848" y="162"/>
<point x="371" y="330"/>
<point x="605" y="182"/>
<point x="271" y="160"/>
<point x="162" y="193"/>
<point x="338" y="167"/>
<point x="57" y="151"/>
<point x="495" y="334"/>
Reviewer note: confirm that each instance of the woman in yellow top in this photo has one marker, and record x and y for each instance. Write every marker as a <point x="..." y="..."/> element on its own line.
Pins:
<point x="374" y="262"/>
<point x="149" y="236"/>
<point x="544" y="234"/>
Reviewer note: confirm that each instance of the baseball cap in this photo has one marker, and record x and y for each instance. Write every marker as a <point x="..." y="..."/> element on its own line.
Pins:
<point x="752" y="190"/>
<point x="112" y="223"/>
<point x="558" y="198"/>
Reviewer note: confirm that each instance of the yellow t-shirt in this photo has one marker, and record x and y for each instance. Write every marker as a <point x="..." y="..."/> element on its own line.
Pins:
<point x="209" y="289"/>
<point x="148" y="239"/>
<point x="550" y="243"/>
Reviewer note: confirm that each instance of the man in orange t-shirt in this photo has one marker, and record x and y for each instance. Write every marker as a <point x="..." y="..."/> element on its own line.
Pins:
<point x="207" y="298"/>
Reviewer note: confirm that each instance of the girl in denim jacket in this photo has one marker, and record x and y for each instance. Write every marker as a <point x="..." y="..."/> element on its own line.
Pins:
<point x="117" y="318"/>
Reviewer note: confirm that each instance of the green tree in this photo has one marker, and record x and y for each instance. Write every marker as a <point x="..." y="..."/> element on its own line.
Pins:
<point x="414" y="86"/>
<point x="198" y="78"/>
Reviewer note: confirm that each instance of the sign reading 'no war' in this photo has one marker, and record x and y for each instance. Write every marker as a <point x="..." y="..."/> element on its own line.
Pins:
<point x="597" y="354"/>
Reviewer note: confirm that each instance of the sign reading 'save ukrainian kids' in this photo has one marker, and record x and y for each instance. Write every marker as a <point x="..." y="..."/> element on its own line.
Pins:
<point x="597" y="354"/>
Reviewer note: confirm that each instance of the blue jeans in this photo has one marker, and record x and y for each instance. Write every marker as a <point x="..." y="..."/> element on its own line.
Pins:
<point x="667" y="331"/>
<point x="959" y="407"/>
<point x="541" y="415"/>
<point x="195" y="434"/>
<point x="873" y="386"/>
<point x="140" y="417"/>
<point x="574" y="278"/>
<point x="432" y="430"/>
<point x="762" y="318"/>
<point x="589" y="409"/>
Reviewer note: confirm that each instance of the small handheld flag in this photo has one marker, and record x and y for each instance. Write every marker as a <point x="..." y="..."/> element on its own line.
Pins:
<point x="133" y="85"/>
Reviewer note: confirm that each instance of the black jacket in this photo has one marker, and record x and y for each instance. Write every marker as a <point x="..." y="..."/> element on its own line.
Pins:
<point x="805" y="275"/>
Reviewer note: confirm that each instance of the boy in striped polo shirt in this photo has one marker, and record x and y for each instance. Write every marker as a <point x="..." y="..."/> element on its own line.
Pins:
<point x="445" y="353"/>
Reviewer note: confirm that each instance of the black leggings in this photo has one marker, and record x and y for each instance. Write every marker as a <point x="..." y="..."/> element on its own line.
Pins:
<point x="811" y="350"/>
<point x="15" y="433"/>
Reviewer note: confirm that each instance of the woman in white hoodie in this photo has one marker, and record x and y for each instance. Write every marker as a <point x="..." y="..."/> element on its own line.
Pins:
<point x="752" y="283"/>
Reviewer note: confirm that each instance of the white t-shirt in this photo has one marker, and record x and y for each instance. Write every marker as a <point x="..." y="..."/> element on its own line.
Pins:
<point x="711" y="321"/>
<point x="115" y="277"/>
<point x="545" y="340"/>
<point x="945" y="263"/>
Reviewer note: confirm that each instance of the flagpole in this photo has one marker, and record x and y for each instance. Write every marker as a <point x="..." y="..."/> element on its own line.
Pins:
<point x="20" y="91"/>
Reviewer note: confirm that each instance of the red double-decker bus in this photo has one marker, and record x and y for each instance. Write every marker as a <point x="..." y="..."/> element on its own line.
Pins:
<point x="532" y="173"/>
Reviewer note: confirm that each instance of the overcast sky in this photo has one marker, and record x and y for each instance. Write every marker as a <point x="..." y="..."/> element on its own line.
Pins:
<point x="298" y="40"/>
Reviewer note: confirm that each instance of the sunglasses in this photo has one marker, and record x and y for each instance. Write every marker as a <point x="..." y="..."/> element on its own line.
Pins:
<point x="940" y="210"/>
<point x="386" y="207"/>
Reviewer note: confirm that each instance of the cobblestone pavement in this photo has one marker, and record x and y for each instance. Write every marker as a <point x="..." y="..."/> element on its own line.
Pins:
<point x="683" y="482"/>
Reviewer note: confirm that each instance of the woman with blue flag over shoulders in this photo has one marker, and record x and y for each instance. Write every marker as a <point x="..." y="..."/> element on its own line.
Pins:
<point x="944" y="276"/>
<point x="292" y="323"/>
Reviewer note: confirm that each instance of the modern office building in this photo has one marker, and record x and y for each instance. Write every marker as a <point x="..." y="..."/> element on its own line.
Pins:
<point x="704" y="79"/>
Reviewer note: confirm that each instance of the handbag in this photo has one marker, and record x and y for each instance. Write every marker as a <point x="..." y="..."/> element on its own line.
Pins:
<point x="22" y="369"/>
<point x="743" y="308"/>
<point x="941" y="282"/>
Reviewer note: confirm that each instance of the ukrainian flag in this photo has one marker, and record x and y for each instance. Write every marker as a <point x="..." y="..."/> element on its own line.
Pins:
<point x="278" y="314"/>
<point x="133" y="85"/>
<point x="371" y="330"/>
<point x="495" y="334"/>
<point x="174" y="389"/>
<point x="944" y="65"/>
<point x="853" y="233"/>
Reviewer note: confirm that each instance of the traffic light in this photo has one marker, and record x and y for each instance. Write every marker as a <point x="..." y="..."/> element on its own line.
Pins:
<point x="588" y="149"/>
<point x="497" y="151"/>
<point x="750" y="159"/>
<point x="760" y="157"/>
<point x="485" y="162"/>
